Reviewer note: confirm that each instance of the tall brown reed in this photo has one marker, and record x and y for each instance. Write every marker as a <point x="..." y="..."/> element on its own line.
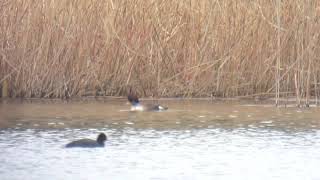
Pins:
<point x="163" y="48"/>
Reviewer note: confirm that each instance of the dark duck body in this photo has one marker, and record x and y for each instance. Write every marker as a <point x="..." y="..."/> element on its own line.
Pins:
<point x="89" y="143"/>
<point x="137" y="106"/>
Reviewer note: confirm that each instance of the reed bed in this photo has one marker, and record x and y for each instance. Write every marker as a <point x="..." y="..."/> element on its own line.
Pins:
<point x="162" y="48"/>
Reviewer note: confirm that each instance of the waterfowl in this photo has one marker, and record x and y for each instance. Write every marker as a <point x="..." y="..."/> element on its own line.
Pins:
<point x="89" y="142"/>
<point x="137" y="106"/>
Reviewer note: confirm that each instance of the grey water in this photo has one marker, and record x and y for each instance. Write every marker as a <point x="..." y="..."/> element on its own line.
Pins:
<point x="192" y="140"/>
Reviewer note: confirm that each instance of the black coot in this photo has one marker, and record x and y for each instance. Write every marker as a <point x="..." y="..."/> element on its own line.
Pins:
<point x="89" y="142"/>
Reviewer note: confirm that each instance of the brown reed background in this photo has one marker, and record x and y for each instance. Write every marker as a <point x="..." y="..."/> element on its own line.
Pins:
<point x="162" y="48"/>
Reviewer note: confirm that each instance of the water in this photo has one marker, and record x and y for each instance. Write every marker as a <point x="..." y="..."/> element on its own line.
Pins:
<point x="193" y="140"/>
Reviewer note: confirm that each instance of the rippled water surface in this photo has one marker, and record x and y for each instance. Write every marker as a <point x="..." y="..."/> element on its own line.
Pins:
<point x="192" y="140"/>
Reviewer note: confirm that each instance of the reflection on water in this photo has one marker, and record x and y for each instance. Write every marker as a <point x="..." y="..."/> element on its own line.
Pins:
<point x="193" y="140"/>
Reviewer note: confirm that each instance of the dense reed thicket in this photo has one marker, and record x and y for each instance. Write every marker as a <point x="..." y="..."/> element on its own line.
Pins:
<point x="62" y="48"/>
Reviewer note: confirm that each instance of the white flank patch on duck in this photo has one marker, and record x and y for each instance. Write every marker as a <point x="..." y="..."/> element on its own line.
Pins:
<point x="161" y="108"/>
<point x="137" y="108"/>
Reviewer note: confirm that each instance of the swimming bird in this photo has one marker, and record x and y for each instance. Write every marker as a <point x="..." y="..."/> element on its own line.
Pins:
<point x="89" y="143"/>
<point x="137" y="106"/>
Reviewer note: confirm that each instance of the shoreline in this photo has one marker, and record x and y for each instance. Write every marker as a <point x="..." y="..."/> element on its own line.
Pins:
<point x="292" y="101"/>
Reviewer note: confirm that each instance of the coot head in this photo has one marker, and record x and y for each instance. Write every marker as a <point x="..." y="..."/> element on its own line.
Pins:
<point x="101" y="138"/>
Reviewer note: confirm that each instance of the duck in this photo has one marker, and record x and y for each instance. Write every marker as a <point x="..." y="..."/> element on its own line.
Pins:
<point x="137" y="106"/>
<point x="89" y="143"/>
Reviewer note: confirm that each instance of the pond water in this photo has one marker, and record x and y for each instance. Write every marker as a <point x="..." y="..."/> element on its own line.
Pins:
<point x="192" y="140"/>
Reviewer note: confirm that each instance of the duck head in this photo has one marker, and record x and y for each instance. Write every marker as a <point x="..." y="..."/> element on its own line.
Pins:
<point x="133" y="98"/>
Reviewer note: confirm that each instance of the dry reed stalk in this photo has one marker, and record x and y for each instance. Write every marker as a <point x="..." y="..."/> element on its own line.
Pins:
<point x="163" y="48"/>
<point x="278" y="65"/>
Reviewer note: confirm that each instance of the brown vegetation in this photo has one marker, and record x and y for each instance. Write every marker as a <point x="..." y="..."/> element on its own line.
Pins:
<point x="204" y="48"/>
